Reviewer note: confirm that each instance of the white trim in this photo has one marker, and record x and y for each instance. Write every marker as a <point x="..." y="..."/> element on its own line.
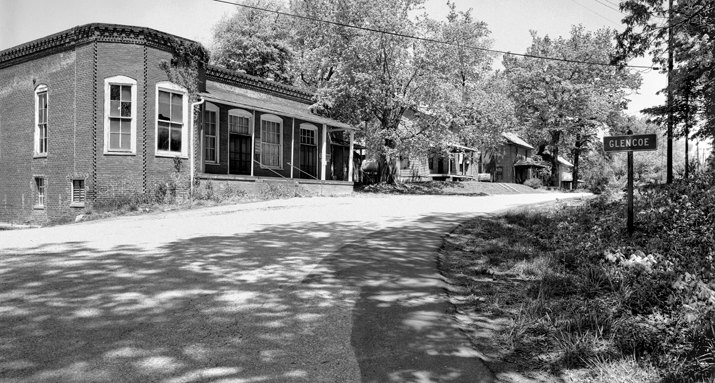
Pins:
<point x="292" y="147"/>
<point x="324" y="150"/>
<point x="253" y="142"/>
<point x="170" y="87"/>
<point x="209" y="107"/>
<point x="279" y="121"/>
<point x="245" y="114"/>
<point x="36" y="205"/>
<point x="350" y="157"/>
<point x="241" y="113"/>
<point x="84" y="188"/>
<point x="308" y="126"/>
<point x="39" y="89"/>
<point x="120" y="80"/>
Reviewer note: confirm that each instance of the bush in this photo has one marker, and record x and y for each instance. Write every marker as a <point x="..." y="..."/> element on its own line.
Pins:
<point x="652" y="294"/>
<point x="534" y="183"/>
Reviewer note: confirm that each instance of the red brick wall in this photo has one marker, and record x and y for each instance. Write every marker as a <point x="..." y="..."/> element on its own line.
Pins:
<point x="64" y="160"/>
<point x="118" y="175"/>
<point x="76" y="133"/>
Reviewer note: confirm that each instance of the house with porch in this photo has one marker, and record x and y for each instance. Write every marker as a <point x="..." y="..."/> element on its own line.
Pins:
<point x="89" y="113"/>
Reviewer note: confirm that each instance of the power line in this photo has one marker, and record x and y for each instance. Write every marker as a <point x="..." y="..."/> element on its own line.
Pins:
<point x="396" y="34"/>
<point x="608" y="6"/>
<point x="597" y="14"/>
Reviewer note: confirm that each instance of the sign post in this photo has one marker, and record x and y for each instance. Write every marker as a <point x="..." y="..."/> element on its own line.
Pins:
<point x="630" y="143"/>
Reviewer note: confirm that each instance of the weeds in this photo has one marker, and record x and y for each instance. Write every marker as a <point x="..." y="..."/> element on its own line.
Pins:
<point x="595" y="299"/>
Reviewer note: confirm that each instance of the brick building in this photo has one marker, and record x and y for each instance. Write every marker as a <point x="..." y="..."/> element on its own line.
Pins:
<point x="88" y="113"/>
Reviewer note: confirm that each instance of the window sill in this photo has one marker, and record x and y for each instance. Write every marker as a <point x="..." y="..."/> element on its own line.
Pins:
<point x="117" y="153"/>
<point x="77" y="204"/>
<point x="40" y="155"/>
<point x="38" y="207"/>
<point x="172" y="155"/>
<point x="212" y="163"/>
<point x="271" y="167"/>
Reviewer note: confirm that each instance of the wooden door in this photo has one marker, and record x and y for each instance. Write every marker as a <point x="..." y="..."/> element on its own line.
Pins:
<point x="308" y="161"/>
<point x="239" y="154"/>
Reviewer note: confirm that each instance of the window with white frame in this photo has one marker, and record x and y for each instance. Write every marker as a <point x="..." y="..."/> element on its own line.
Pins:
<point x="239" y="121"/>
<point x="40" y="188"/>
<point x="120" y="115"/>
<point x="78" y="192"/>
<point x="271" y="141"/>
<point x="210" y="133"/>
<point x="41" y="101"/>
<point x="171" y="120"/>
<point x="307" y="134"/>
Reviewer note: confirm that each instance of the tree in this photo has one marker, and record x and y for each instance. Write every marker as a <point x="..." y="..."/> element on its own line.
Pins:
<point x="378" y="79"/>
<point x="692" y="22"/>
<point x="255" y="42"/>
<point x="563" y="102"/>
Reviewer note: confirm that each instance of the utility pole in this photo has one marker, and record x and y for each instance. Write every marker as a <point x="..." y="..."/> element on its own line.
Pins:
<point x="669" y="160"/>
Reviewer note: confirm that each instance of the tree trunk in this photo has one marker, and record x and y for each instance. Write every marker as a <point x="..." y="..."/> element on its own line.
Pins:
<point x="576" y="154"/>
<point x="555" y="137"/>
<point x="386" y="169"/>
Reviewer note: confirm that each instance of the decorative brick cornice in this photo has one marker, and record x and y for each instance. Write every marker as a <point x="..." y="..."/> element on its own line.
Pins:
<point x="242" y="80"/>
<point x="110" y="33"/>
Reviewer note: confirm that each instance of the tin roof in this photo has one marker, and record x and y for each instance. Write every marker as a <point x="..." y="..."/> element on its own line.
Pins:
<point x="516" y="140"/>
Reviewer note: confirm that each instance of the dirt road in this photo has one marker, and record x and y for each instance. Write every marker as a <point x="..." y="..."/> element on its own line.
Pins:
<point x="300" y="290"/>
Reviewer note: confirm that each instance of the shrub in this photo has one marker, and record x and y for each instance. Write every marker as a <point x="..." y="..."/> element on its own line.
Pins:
<point x="534" y="183"/>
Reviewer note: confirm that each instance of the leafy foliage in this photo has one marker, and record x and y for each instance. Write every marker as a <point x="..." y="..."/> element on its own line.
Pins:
<point x="693" y="31"/>
<point x="256" y="42"/>
<point x="412" y="96"/>
<point x="562" y="103"/>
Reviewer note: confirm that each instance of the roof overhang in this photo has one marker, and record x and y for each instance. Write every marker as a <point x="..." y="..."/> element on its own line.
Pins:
<point x="463" y="148"/>
<point x="268" y="103"/>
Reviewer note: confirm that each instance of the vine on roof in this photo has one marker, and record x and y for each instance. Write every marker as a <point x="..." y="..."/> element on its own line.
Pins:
<point x="184" y="67"/>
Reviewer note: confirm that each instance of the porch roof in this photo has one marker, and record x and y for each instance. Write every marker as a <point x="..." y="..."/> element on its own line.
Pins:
<point x="531" y="164"/>
<point x="516" y="140"/>
<point x="268" y="103"/>
<point x="463" y="148"/>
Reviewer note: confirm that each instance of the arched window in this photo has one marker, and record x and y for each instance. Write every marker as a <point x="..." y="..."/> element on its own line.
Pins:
<point x="271" y="141"/>
<point x="239" y="122"/>
<point x="41" y="118"/>
<point x="211" y="153"/>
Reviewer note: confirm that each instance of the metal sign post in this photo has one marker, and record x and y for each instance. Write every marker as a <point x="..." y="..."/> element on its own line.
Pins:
<point x="630" y="143"/>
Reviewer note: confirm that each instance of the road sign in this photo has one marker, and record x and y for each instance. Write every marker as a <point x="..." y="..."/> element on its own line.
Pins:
<point x="634" y="143"/>
<point x="630" y="143"/>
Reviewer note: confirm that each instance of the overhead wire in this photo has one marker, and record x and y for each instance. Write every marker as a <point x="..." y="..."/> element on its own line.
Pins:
<point x="596" y="13"/>
<point x="430" y="40"/>
<point x="608" y="6"/>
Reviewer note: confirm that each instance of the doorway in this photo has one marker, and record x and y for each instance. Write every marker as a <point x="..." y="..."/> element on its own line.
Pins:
<point x="239" y="154"/>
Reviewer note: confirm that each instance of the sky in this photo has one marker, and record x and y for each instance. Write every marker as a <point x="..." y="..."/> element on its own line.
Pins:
<point x="509" y="21"/>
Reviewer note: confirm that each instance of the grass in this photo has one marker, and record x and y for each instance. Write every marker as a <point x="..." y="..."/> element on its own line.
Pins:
<point x="471" y="188"/>
<point x="556" y="318"/>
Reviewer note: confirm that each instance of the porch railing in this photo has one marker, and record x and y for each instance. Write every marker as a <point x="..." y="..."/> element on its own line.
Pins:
<point x="275" y="172"/>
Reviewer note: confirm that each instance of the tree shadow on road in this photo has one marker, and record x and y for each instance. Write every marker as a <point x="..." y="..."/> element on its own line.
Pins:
<point x="246" y="308"/>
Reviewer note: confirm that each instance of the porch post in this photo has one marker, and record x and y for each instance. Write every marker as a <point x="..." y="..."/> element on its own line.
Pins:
<point x="253" y="142"/>
<point x="292" y="149"/>
<point x="323" y="152"/>
<point x="350" y="157"/>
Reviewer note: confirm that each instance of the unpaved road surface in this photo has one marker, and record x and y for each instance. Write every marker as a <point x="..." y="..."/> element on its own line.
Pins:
<point x="300" y="290"/>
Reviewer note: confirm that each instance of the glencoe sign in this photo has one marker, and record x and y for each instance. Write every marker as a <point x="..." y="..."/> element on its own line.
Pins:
<point x="630" y="143"/>
<point x="635" y="142"/>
